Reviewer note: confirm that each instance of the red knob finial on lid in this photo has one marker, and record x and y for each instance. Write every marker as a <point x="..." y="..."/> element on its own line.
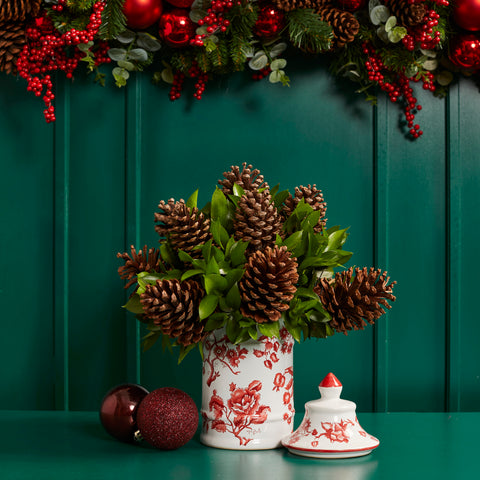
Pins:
<point x="330" y="381"/>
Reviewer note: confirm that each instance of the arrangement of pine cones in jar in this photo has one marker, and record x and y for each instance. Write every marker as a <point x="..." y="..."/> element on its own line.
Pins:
<point x="252" y="260"/>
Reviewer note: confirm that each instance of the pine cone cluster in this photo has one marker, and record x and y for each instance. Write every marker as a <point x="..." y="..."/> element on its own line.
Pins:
<point x="173" y="306"/>
<point x="145" y="260"/>
<point x="313" y="197"/>
<point x="268" y="284"/>
<point x="248" y="179"/>
<point x="14" y="15"/>
<point x="289" y="5"/>
<point x="353" y="302"/>
<point x="344" y="24"/>
<point x="183" y="227"/>
<point x="257" y="220"/>
<point x="407" y="13"/>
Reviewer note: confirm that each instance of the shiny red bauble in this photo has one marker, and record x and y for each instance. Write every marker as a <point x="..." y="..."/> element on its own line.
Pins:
<point x="181" y="3"/>
<point x="175" y="28"/>
<point x="167" y="418"/>
<point x="270" y="22"/>
<point x="119" y="409"/>
<point x="465" y="51"/>
<point x="351" y="5"/>
<point x="142" y="14"/>
<point x="466" y="14"/>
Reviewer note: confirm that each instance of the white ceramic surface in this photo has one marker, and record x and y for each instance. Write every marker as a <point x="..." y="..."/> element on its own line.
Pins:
<point x="247" y="392"/>
<point x="330" y="428"/>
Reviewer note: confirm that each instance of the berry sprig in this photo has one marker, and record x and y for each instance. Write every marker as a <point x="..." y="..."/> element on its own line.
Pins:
<point x="397" y="89"/>
<point x="47" y="50"/>
<point x="179" y="79"/>
<point x="262" y="73"/>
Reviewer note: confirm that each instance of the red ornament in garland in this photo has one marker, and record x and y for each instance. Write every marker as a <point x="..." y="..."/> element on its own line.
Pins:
<point x="351" y="5"/>
<point x="270" y="22"/>
<point x="181" y="3"/>
<point x="118" y="411"/>
<point x="141" y="14"/>
<point x="167" y="418"/>
<point x="175" y="28"/>
<point x="466" y="14"/>
<point x="465" y="51"/>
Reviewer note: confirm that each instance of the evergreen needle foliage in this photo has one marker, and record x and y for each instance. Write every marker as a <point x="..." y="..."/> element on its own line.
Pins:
<point x="113" y="20"/>
<point x="308" y="32"/>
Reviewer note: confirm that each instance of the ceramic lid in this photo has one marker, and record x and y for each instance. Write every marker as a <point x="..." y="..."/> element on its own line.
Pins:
<point x="330" y="428"/>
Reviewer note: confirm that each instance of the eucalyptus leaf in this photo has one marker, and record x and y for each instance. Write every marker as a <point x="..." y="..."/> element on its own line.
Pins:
<point x="167" y="75"/>
<point x="277" y="50"/>
<point x="258" y="61"/>
<point x="138" y="55"/>
<point x="117" y="54"/>
<point x="397" y="34"/>
<point x="390" y="23"/>
<point x="430" y="65"/>
<point x="148" y="42"/>
<point x="278" y="64"/>
<point x="379" y="14"/>
<point x="276" y="76"/>
<point x="126" y="37"/>
<point x="444" y="78"/>
<point x="125" y="64"/>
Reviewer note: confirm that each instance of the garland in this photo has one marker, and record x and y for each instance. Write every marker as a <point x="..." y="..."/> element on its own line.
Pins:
<point x="387" y="45"/>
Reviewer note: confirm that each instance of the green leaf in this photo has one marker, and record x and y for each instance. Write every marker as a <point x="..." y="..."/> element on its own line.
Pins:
<point x="212" y="266"/>
<point x="280" y="197"/>
<point x="270" y="329"/>
<point x="278" y="64"/>
<point x="167" y="254"/>
<point x="306" y="292"/>
<point x="185" y="257"/>
<point x="237" y="254"/>
<point x="233" y="276"/>
<point x="184" y="351"/>
<point x="252" y="331"/>
<point x="148" y="42"/>
<point x="220" y="235"/>
<point x="126" y="65"/>
<point x="138" y="55"/>
<point x="134" y="305"/>
<point x="216" y="320"/>
<point x="207" y="250"/>
<point x="337" y="239"/>
<point x="207" y="306"/>
<point x="149" y="340"/>
<point x="233" y="330"/>
<point x="233" y="297"/>
<point x="190" y="273"/>
<point x="238" y="191"/>
<point x="192" y="200"/>
<point x="293" y="240"/>
<point x="219" y="210"/>
<point x="215" y="284"/>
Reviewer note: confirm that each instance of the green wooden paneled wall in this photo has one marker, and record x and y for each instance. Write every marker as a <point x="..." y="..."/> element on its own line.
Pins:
<point x="75" y="193"/>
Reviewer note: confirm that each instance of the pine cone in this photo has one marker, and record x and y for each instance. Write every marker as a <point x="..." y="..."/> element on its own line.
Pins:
<point x="268" y="284"/>
<point x="408" y="14"/>
<point x="143" y="261"/>
<point x="257" y="220"/>
<point x="18" y="10"/>
<point x="12" y="40"/>
<point x="351" y="302"/>
<point x="248" y="179"/>
<point x="289" y="5"/>
<point x="184" y="228"/>
<point x="174" y="307"/>
<point x="312" y="197"/>
<point x="344" y="24"/>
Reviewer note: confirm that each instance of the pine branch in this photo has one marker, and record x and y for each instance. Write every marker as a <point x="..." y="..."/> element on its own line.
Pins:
<point x="202" y="59"/>
<point x="80" y="5"/>
<point x="113" y="20"/>
<point x="238" y="48"/>
<point x="242" y="19"/>
<point x="308" y="32"/>
<point x="220" y="56"/>
<point x="181" y="61"/>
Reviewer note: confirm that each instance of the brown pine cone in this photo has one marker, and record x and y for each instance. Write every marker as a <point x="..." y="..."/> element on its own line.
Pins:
<point x="408" y="14"/>
<point x="268" y="284"/>
<point x="344" y="24"/>
<point x="12" y="40"/>
<point x="18" y="10"/>
<point x="184" y="228"/>
<point x="248" y="179"/>
<point x="289" y="5"/>
<point x="143" y="261"/>
<point x="312" y="197"/>
<point x="257" y="220"/>
<point x="352" y="302"/>
<point x="174" y="307"/>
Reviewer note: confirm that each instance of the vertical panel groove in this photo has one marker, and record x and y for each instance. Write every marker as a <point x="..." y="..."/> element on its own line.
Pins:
<point x="61" y="245"/>
<point x="454" y="249"/>
<point x="381" y="247"/>
<point x="133" y="149"/>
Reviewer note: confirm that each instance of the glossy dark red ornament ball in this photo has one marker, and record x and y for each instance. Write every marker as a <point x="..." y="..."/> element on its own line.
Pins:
<point x="466" y="14"/>
<point x="141" y="14"/>
<point x="181" y="3"/>
<point x="270" y="22"/>
<point x="465" y="51"/>
<point x="167" y="418"/>
<point x="119" y="409"/>
<point x="175" y="27"/>
<point x="351" y="5"/>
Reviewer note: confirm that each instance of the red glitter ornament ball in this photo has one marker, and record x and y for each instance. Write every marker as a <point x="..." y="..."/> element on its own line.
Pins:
<point x="119" y="408"/>
<point x="465" y="51"/>
<point x="466" y="14"/>
<point x="142" y="14"/>
<point x="175" y="28"/>
<point x="351" y="5"/>
<point x="270" y="22"/>
<point x="181" y="3"/>
<point x="167" y="418"/>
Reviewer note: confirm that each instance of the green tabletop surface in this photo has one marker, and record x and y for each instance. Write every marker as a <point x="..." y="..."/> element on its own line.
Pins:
<point x="73" y="445"/>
